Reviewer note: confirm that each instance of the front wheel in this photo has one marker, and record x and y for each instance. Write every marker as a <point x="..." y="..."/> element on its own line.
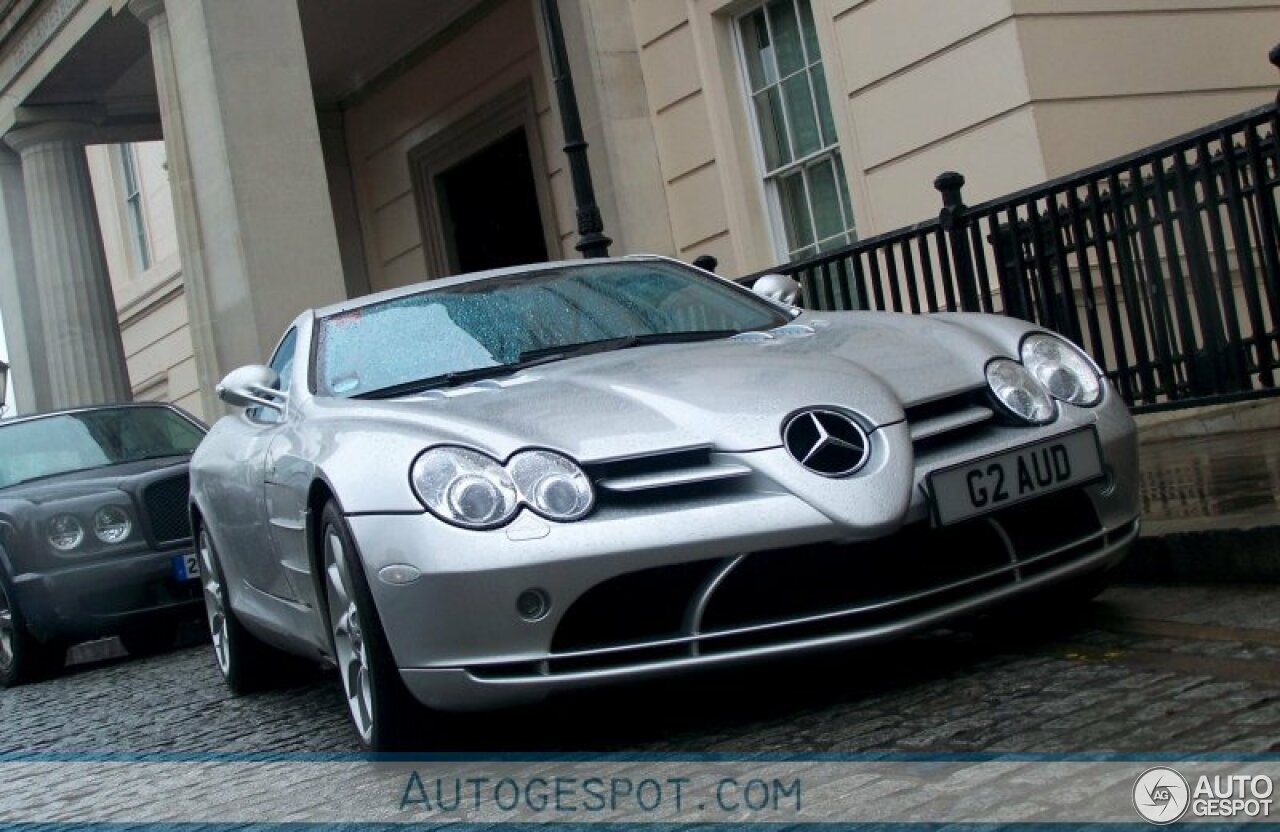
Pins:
<point x="381" y="708"/>
<point x="243" y="660"/>
<point x="22" y="658"/>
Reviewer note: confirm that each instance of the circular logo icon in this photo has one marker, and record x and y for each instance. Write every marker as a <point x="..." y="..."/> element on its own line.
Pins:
<point x="826" y="442"/>
<point x="1161" y="795"/>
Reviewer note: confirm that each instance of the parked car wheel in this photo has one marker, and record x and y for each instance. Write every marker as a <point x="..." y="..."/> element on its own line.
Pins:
<point x="22" y="657"/>
<point x="242" y="659"/>
<point x="381" y="708"/>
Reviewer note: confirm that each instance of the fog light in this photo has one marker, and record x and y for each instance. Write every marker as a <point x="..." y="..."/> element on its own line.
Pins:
<point x="533" y="604"/>
<point x="1108" y="485"/>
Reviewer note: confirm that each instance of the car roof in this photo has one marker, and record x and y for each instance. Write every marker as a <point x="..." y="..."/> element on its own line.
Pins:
<point x="87" y="409"/>
<point x="474" y="277"/>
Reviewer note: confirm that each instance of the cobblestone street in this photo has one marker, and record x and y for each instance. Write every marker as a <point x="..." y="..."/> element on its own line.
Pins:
<point x="1168" y="669"/>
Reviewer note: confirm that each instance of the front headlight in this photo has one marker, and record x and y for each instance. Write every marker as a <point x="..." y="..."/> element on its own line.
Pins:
<point x="1065" y="371"/>
<point x="551" y="485"/>
<point x="111" y="524"/>
<point x="464" y="487"/>
<point x="470" y="489"/>
<point x="64" y="532"/>
<point x="1017" y="389"/>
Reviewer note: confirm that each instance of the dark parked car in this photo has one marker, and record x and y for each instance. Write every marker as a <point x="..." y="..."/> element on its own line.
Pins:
<point x="94" y="534"/>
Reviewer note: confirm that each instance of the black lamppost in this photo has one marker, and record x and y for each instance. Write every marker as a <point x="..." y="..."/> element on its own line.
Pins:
<point x="591" y="239"/>
<point x="4" y="384"/>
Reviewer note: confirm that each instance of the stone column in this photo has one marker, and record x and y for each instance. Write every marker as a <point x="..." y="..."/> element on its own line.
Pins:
<point x="342" y="195"/>
<point x="19" y="300"/>
<point x="256" y="225"/>
<point x="81" y="333"/>
<point x="178" y="160"/>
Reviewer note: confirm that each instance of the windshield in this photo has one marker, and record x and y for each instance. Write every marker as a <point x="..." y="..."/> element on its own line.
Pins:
<point x="493" y="326"/>
<point x="68" y="442"/>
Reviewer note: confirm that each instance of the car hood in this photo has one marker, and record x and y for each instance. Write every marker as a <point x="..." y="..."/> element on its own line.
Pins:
<point x="731" y="394"/>
<point x="92" y="481"/>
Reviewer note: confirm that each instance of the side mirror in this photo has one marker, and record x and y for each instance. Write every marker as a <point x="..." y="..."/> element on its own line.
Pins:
<point x="253" y="386"/>
<point x="777" y="287"/>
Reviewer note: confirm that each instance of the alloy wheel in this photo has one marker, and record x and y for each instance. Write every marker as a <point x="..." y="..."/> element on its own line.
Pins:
<point x="7" y="633"/>
<point x="348" y="635"/>
<point x="215" y="603"/>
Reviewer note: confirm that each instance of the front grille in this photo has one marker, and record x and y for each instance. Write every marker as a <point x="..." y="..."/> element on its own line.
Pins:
<point x="810" y="592"/>
<point x="676" y="474"/>
<point x="942" y="421"/>
<point x="165" y="504"/>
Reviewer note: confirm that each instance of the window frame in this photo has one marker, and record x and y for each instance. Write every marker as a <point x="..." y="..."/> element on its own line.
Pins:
<point x="771" y="180"/>
<point x="134" y="206"/>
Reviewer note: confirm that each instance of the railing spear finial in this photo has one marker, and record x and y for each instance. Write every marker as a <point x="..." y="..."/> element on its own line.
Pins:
<point x="1274" y="56"/>
<point x="955" y="222"/>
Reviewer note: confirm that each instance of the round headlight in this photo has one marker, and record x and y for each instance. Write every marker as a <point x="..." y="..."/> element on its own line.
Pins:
<point x="464" y="487"/>
<point x="551" y="485"/>
<point x="65" y="532"/>
<point x="1065" y="371"/>
<point x="111" y="524"/>
<point x="1018" y="390"/>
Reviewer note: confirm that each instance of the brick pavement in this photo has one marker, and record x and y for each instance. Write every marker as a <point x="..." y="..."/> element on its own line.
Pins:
<point x="1141" y="669"/>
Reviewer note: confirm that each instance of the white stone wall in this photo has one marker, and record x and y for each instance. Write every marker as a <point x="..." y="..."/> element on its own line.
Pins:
<point x="1008" y="92"/>
<point x="150" y="302"/>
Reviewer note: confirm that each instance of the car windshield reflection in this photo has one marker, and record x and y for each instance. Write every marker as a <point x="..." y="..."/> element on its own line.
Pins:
<point x="497" y="326"/>
<point x="63" y="443"/>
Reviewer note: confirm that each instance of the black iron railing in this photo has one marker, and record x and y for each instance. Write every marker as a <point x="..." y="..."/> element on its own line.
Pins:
<point x="1164" y="264"/>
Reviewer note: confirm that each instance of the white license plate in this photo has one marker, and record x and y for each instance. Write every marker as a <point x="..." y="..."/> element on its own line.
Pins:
<point x="186" y="567"/>
<point x="994" y="482"/>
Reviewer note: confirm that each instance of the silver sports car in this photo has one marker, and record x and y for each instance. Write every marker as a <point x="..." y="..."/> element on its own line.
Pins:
<point x="489" y="488"/>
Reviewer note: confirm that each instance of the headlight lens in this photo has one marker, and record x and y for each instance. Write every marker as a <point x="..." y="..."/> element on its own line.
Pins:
<point x="464" y="487"/>
<point x="1064" y="370"/>
<point x="64" y="532"/>
<point x="551" y="485"/>
<point x="1018" y="390"/>
<point x="111" y="524"/>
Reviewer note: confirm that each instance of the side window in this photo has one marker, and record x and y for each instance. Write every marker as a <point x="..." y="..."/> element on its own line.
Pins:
<point x="282" y="363"/>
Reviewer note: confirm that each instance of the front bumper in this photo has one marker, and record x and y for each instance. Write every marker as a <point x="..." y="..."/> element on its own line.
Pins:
<point x="484" y="686"/>
<point x="634" y="588"/>
<point x="106" y="596"/>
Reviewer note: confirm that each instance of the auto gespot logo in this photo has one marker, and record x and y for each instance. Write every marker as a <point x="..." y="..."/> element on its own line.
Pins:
<point x="1162" y="795"/>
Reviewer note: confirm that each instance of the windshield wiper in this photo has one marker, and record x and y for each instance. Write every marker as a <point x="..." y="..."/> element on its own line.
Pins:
<point x="625" y="342"/>
<point x="452" y="379"/>
<point x="544" y="355"/>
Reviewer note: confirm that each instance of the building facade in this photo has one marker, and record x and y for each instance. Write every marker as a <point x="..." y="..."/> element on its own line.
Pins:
<point x="250" y="158"/>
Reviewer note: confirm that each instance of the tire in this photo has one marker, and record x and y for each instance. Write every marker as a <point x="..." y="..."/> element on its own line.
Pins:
<point x="381" y="708"/>
<point x="244" y="662"/>
<point x="23" y="658"/>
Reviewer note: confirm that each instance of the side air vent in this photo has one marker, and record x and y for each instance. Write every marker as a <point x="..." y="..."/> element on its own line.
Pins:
<point x="939" y="420"/>
<point x="686" y="466"/>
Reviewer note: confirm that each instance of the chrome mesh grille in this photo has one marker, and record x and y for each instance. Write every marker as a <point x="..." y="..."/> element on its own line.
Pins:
<point x="165" y="504"/>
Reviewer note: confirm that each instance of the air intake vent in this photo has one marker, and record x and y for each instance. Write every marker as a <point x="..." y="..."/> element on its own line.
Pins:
<point x="165" y="503"/>
<point x="664" y="470"/>
<point x="951" y="417"/>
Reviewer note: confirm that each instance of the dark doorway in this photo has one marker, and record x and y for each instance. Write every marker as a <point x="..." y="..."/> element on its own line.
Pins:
<point x="490" y="208"/>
